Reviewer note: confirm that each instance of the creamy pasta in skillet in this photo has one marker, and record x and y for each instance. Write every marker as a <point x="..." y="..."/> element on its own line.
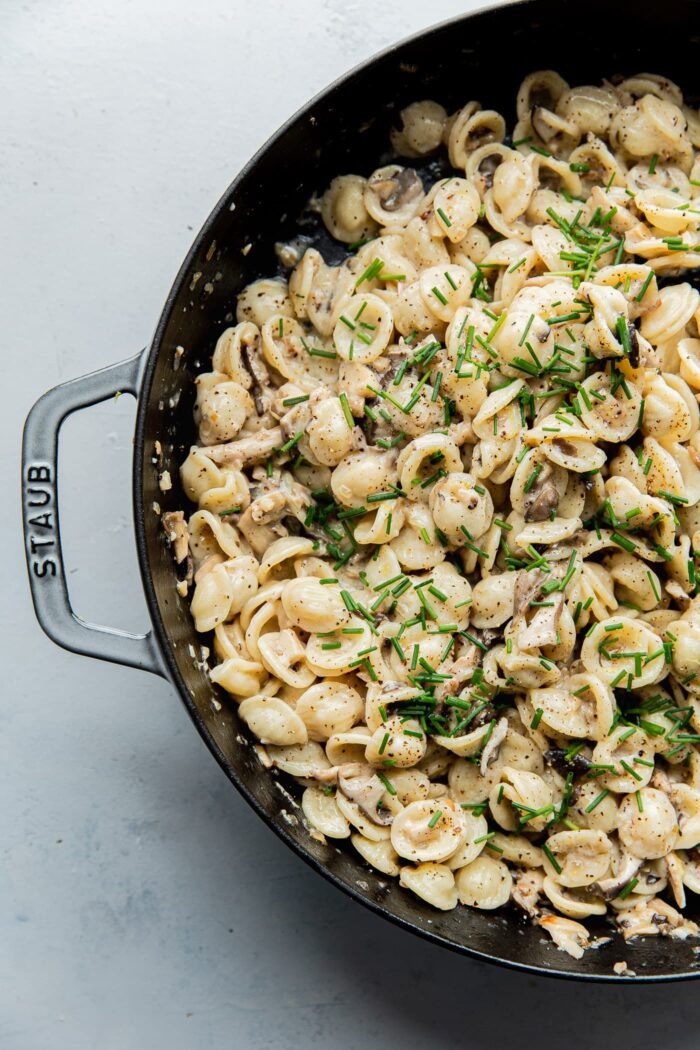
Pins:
<point x="448" y="511"/>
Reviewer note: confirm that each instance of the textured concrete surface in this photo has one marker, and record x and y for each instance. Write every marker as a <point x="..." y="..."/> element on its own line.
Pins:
<point x="141" y="902"/>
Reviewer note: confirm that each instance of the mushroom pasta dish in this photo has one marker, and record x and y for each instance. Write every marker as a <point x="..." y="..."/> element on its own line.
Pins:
<point x="447" y="505"/>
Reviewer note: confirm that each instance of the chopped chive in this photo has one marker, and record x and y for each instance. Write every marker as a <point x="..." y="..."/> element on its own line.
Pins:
<point x="597" y="800"/>
<point x="292" y="442"/>
<point x="624" y="542"/>
<point x="628" y="769"/>
<point x="626" y="890"/>
<point x="533" y="477"/>
<point x="622" y="329"/>
<point x="359" y="314"/>
<point x="523" y="337"/>
<point x="371" y="272"/>
<point x="551" y="858"/>
<point x="646" y="284"/>
<point x="349" y="601"/>
<point x="653" y="585"/>
<point x="343" y="398"/>
<point x="399" y="651"/>
<point x="680" y="500"/>
<point x="380" y="497"/>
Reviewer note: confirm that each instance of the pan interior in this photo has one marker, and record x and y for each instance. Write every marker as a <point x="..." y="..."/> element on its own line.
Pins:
<point x="346" y="129"/>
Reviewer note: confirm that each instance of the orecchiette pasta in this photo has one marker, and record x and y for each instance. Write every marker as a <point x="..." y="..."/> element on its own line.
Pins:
<point x="434" y="883"/>
<point x="485" y="883"/>
<point x="428" y="831"/>
<point x="321" y="811"/>
<point x="446" y="524"/>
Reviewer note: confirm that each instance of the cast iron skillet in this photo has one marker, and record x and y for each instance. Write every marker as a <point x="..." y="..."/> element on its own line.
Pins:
<point x="344" y="129"/>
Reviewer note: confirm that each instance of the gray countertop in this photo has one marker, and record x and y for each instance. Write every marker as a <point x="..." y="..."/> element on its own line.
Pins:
<point x="142" y="903"/>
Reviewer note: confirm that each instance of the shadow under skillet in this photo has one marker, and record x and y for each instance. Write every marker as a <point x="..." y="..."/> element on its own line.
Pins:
<point x="342" y="973"/>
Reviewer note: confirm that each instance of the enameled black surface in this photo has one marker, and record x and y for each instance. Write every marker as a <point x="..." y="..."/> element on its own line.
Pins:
<point x="345" y="129"/>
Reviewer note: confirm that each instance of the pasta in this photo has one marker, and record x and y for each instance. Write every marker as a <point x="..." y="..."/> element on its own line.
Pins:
<point x="446" y="521"/>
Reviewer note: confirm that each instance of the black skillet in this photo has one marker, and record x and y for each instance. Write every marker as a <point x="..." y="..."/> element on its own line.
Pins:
<point x="344" y="129"/>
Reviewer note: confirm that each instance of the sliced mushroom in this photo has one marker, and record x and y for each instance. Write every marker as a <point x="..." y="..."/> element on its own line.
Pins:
<point x="260" y="523"/>
<point x="296" y="419"/>
<point x="527" y="587"/>
<point x="674" y="589"/>
<point x="572" y="937"/>
<point x="396" y="358"/>
<point x="177" y="532"/>
<point x="460" y="672"/>
<point x="353" y="381"/>
<point x="361" y="785"/>
<point x="691" y="869"/>
<point x="261" y="386"/>
<point x="488" y="636"/>
<point x="543" y="497"/>
<point x="652" y="917"/>
<point x="556" y="757"/>
<point x="298" y="497"/>
<point x="327" y="776"/>
<point x="542" y="630"/>
<point x="627" y="868"/>
<point x="268" y="507"/>
<point x="398" y="190"/>
<point x="175" y="528"/>
<point x="675" y="870"/>
<point x="527" y="889"/>
<point x="274" y="499"/>
<point x="247" y="450"/>
<point x="490" y="752"/>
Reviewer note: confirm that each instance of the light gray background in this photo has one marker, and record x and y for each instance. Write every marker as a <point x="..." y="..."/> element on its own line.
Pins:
<point x="142" y="904"/>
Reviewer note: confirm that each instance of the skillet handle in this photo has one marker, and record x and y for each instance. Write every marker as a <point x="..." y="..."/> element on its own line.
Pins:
<point x="42" y="535"/>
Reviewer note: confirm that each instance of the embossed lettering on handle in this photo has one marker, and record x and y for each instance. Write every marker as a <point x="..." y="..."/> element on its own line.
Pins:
<point x="39" y="491"/>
